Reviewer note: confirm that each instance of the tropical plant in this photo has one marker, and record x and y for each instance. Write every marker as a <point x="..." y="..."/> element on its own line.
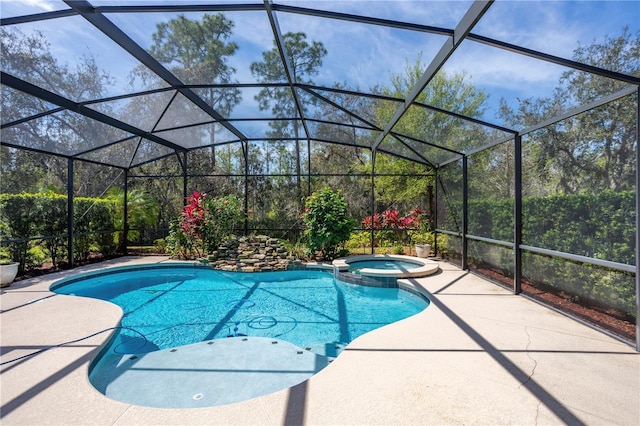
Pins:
<point x="398" y="225"/>
<point x="142" y="211"/>
<point x="191" y="223"/>
<point x="204" y="224"/>
<point x="326" y="220"/>
<point x="222" y="214"/>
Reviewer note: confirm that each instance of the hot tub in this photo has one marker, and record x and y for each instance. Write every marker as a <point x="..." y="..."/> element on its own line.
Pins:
<point x="392" y="266"/>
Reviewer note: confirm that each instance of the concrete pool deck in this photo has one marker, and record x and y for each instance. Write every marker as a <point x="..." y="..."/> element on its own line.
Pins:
<point x="476" y="355"/>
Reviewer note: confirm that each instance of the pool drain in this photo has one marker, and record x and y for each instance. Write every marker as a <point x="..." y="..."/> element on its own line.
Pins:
<point x="198" y="396"/>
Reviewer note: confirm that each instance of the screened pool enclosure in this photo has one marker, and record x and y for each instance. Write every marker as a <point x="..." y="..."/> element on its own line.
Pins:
<point x="512" y="126"/>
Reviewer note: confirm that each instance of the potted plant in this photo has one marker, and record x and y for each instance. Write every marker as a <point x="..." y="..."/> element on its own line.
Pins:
<point x="8" y="268"/>
<point x="422" y="242"/>
<point x="8" y="271"/>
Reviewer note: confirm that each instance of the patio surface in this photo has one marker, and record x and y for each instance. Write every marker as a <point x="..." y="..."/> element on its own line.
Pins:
<point x="476" y="355"/>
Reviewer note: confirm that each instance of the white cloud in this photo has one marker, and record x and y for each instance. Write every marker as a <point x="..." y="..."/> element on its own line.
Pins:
<point x="365" y="55"/>
<point x="493" y="67"/>
<point x="359" y="54"/>
<point x="40" y="4"/>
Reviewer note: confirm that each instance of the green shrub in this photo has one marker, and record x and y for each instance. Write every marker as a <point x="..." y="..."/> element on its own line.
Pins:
<point x="222" y="215"/>
<point x="92" y="215"/>
<point x="326" y="220"/>
<point x="178" y="244"/>
<point x="20" y="217"/>
<point x="54" y="222"/>
<point x="297" y="249"/>
<point x="359" y="240"/>
<point x="160" y="245"/>
<point x="421" y="237"/>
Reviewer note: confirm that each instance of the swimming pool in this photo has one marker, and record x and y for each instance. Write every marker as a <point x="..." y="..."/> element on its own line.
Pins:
<point x="174" y="306"/>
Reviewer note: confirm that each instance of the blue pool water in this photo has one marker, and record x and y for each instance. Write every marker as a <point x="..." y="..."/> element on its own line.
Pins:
<point x="385" y="264"/>
<point x="169" y="307"/>
<point x="178" y="306"/>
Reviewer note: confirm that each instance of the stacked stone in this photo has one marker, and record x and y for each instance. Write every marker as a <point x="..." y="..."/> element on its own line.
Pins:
<point x="256" y="253"/>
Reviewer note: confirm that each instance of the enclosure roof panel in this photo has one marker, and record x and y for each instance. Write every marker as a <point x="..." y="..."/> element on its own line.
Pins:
<point x="124" y="82"/>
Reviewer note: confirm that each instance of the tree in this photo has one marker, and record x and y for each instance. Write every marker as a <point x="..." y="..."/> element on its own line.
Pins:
<point x="446" y="91"/>
<point x="196" y="52"/>
<point x="595" y="150"/>
<point x="29" y="57"/>
<point x="305" y="60"/>
<point x="344" y="161"/>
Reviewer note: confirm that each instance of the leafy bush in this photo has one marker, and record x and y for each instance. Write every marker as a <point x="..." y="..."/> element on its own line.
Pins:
<point x="359" y="241"/>
<point x="142" y="212"/>
<point x="326" y="220"/>
<point x="24" y="217"/>
<point x="204" y="224"/>
<point x="18" y="214"/>
<point x="54" y="222"/>
<point x="178" y="244"/>
<point x="187" y="238"/>
<point x="419" y="237"/>
<point x="223" y="214"/>
<point x="160" y="245"/>
<point x="296" y="249"/>
<point x="91" y="216"/>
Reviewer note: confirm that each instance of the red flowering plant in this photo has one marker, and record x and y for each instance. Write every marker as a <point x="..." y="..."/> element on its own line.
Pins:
<point x="398" y="225"/>
<point x="203" y="224"/>
<point x="193" y="215"/>
<point x="377" y="221"/>
<point x="185" y="234"/>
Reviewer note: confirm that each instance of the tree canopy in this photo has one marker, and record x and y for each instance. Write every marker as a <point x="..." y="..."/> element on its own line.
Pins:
<point x="592" y="151"/>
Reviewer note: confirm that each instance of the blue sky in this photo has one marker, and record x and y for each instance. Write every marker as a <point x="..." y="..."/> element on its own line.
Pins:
<point x="364" y="55"/>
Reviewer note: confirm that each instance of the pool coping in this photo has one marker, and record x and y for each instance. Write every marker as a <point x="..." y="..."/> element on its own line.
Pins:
<point x="477" y="355"/>
<point x="429" y="267"/>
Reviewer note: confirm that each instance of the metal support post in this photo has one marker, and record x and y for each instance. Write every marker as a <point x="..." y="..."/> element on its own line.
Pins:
<point x="125" y="214"/>
<point x="517" y="215"/>
<point x="184" y="179"/>
<point x="70" y="212"/>
<point x="465" y="210"/>
<point x="246" y="187"/>
<point x="308" y="167"/>
<point x="435" y="213"/>
<point x="373" y="198"/>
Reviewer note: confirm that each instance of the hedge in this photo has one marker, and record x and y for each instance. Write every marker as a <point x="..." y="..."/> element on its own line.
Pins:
<point x="600" y="226"/>
<point x="25" y="216"/>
